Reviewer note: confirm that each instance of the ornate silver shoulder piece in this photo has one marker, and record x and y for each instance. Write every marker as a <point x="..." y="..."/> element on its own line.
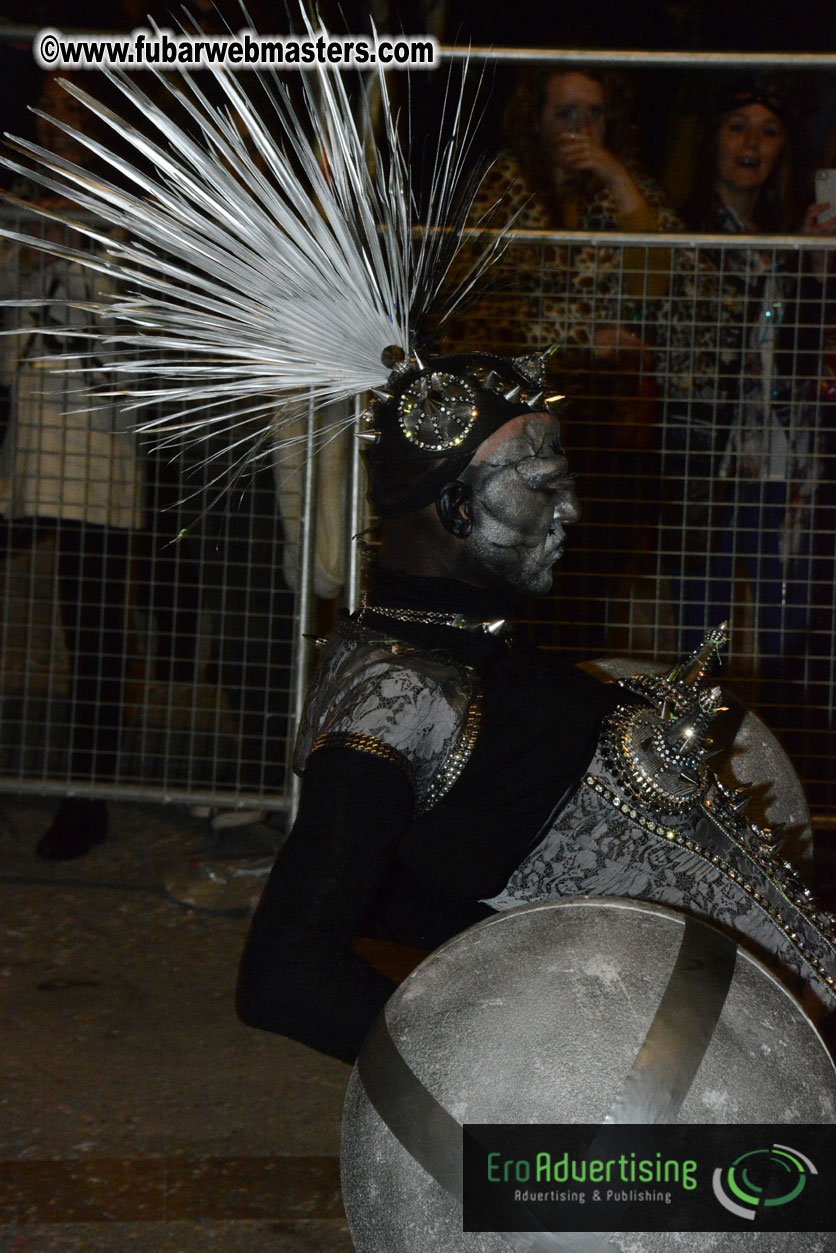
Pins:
<point x="659" y="750"/>
<point x="652" y="821"/>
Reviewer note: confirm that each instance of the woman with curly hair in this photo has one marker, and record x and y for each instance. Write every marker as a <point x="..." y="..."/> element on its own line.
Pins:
<point x="570" y="132"/>
<point x="570" y="163"/>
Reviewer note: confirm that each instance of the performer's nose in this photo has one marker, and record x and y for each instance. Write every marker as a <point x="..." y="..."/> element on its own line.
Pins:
<point x="567" y="507"/>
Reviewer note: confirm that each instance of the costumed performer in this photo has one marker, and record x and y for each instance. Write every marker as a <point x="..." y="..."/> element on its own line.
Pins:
<point x="448" y="770"/>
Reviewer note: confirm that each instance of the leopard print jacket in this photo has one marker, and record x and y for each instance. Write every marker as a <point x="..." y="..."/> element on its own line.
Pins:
<point x="550" y="292"/>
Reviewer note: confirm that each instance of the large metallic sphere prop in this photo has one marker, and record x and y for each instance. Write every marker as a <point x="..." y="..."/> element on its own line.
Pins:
<point x="537" y="1015"/>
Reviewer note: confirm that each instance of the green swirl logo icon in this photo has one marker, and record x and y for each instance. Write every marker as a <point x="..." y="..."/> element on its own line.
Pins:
<point x="762" y="1178"/>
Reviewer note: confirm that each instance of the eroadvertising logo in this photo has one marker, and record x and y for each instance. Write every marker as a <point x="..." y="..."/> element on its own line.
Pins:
<point x="751" y="1179"/>
<point x="637" y="1177"/>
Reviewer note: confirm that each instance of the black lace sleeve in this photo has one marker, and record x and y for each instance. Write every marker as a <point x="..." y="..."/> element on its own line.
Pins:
<point x="298" y="974"/>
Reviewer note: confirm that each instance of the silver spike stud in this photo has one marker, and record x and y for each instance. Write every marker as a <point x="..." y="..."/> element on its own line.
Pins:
<point x="368" y="437"/>
<point x="774" y="836"/>
<point x="497" y="627"/>
<point x="702" y="660"/>
<point x="381" y="395"/>
<point x="492" y="381"/>
<point x="742" y="796"/>
<point x="532" y="366"/>
<point x="418" y="361"/>
<point x="680" y="736"/>
<point x="534" y="402"/>
<point x="513" y="393"/>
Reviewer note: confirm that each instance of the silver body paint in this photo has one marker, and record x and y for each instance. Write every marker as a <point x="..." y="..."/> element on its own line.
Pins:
<point x="522" y="500"/>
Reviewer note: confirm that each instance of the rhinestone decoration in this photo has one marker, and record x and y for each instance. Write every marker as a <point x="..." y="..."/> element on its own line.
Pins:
<point x="446" y="777"/>
<point x="781" y="875"/>
<point x="655" y="772"/>
<point x="633" y="748"/>
<point x="437" y="412"/>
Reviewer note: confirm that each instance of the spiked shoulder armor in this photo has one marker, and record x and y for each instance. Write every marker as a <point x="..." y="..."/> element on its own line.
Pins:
<point x="652" y="821"/>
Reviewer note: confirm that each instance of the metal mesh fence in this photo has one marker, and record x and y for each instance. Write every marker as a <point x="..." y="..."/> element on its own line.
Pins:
<point x="152" y="642"/>
<point x="150" y="633"/>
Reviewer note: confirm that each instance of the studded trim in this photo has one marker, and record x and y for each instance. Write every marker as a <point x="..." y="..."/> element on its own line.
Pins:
<point x="365" y="744"/>
<point x="426" y="796"/>
<point x="445" y="778"/>
<point x="656" y="690"/>
<point x="500" y="627"/>
<point x="780" y="873"/>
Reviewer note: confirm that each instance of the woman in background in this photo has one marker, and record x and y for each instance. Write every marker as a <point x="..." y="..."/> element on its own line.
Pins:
<point x="570" y="163"/>
<point x="739" y="351"/>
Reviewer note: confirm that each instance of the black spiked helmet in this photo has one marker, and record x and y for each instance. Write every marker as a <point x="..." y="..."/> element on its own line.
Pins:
<point x="437" y="411"/>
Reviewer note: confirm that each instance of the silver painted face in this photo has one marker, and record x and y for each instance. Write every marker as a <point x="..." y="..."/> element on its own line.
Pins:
<point x="522" y="500"/>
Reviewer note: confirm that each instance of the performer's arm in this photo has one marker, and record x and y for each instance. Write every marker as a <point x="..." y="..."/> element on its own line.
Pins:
<point x="298" y="975"/>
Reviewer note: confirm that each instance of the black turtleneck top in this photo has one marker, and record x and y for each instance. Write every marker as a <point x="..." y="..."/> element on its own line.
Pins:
<point x="358" y="862"/>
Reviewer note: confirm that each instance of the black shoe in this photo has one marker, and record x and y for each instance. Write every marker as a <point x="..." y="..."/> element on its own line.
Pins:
<point x="79" y="825"/>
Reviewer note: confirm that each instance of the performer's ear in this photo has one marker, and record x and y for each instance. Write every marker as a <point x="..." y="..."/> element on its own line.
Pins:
<point x="453" y="507"/>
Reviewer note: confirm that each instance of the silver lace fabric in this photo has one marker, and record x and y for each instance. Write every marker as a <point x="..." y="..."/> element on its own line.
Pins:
<point x="377" y="695"/>
<point x="592" y="849"/>
<point x="374" y="694"/>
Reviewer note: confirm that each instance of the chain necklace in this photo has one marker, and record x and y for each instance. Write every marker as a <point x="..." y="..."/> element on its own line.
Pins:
<point x="499" y="627"/>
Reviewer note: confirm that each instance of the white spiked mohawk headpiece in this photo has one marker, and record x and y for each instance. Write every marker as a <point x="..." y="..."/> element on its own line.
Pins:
<point x="262" y="256"/>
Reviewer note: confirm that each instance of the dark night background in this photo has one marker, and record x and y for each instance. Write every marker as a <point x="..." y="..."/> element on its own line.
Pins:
<point x="716" y="25"/>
